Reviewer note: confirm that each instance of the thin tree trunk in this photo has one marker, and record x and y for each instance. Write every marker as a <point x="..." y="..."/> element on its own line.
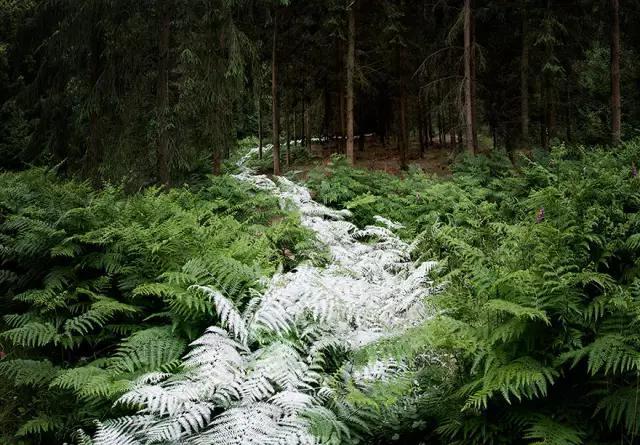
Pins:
<point x="303" y="115"/>
<point x="468" y="79"/>
<point x="440" y="130"/>
<point x="274" y="96"/>
<point x="429" y="121"/>
<point x="93" y="155"/>
<point x="260" y="133"/>
<point x="351" y="61"/>
<point x="307" y="128"/>
<point x="421" y="126"/>
<point x="404" y="137"/>
<point x="545" y="116"/>
<point x="163" y="98"/>
<point x="524" y="76"/>
<point x="340" y="124"/>
<point x="474" y="84"/>
<point x="569" y="108"/>
<point x="295" y="134"/>
<point x="288" y="136"/>
<point x="404" y="130"/>
<point x="616" y="101"/>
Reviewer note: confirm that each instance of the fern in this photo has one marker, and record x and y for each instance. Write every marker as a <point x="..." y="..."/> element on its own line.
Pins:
<point x="29" y="372"/>
<point x="98" y="283"/>
<point x="39" y="426"/>
<point x="32" y="335"/>
<point x="546" y="431"/>
<point x="258" y="377"/>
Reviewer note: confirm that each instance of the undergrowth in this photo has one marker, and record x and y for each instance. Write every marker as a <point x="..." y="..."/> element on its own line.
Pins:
<point x="541" y="310"/>
<point x="96" y="287"/>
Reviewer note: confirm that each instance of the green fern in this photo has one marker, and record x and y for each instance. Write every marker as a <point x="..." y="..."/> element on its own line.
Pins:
<point x="546" y="431"/>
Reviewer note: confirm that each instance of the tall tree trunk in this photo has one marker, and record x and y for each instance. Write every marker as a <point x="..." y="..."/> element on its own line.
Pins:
<point x="295" y="134"/>
<point x="545" y="117"/>
<point x="404" y="133"/>
<point x="351" y="62"/>
<point x="216" y="164"/>
<point x="421" y="125"/>
<point x="93" y="155"/>
<point x="468" y="79"/>
<point x="303" y="116"/>
<point x="429" y="121"/>
<point x="275" y="110"/>
<point x="340" y="87"/>
<point x="307" y="128"/>
<point x="326" y="121"/>
<point x="288" y="135"/>
<point x="474" y="83"/>
<point x="524" y="76"/>
<point x="260" y="132"/>
<point x="163" y="97"/>
<point x="569" y="108"/>
<point x="440" y="128"/>
<point x="616" y="101"/>
<point x="404" y="130"/>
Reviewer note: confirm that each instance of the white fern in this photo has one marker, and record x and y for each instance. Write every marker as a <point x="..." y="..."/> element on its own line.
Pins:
<point x="230" y="317"/>
<point x="254" y="379"/>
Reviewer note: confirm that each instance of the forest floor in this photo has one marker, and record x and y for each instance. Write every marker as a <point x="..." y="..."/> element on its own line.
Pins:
<point x="437" y="158"/>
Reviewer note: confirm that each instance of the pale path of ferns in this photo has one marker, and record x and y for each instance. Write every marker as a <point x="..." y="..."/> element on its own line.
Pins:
<point x="229" y="394"/>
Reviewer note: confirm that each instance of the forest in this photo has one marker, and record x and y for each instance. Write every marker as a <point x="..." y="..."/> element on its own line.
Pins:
<point x="319" y="222"/>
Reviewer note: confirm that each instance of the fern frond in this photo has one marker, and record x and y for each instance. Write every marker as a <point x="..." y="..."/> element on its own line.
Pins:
<point x="229" y="315"/>
<point x="33" y="335"/>
<point x="148" y="350"/>
<point x="517" y="310"/>
<point x="523" y="378"/>
<point x="546" y="431"/>
<point x="29" y="372"/>
<point x="39" y="425"/>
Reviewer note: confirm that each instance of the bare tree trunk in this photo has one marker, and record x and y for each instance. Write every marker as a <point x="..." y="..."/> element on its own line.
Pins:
<point x="288" y="136"/>
<point x="93" y="155"/>
<point x="429" y="122"/>
<point x="404" y="130"/>
<point x="307" y="128"/>
<point x="163" y="98"/>
<point x="474" y="84"/>
<point x="216" y="165"/>
<point x="468" y="79"/>
<point x="440" y="128"/>
<point x="260" y="133"/>
<point x="306" y="118"/>
<point x="351" y="61"/>
<point x="524" y="76"/>
<point x="274" y="96"/>
<point x="340" y="87"/>
<point x="616" y="101"/>
<point x="569" y="108"/>
<point x="303" y="116"/>
<point x="295" y="134"/>
<point x="421" y="125"/>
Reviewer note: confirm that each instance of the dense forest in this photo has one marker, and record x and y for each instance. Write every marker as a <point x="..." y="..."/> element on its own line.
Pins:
<point x="319" y="222"/>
